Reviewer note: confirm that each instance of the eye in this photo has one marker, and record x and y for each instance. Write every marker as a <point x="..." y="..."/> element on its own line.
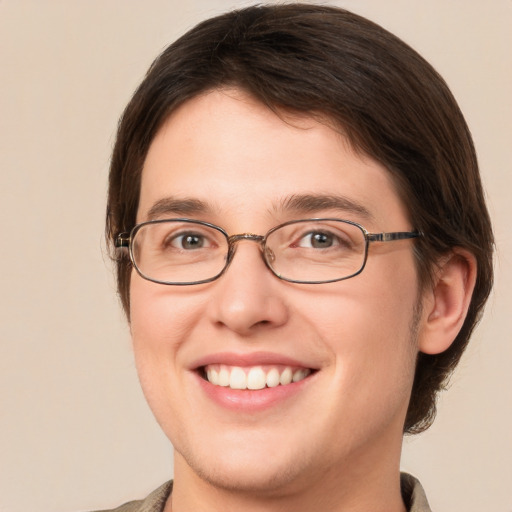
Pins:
<point x="188" y="241"/>
<point x="318" y="240"/>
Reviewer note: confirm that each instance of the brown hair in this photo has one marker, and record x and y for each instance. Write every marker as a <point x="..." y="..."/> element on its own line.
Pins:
<point x="391" y="104"/>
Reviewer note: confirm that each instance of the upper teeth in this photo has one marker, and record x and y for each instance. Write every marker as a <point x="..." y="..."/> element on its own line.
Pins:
<point x="255" y="377"/>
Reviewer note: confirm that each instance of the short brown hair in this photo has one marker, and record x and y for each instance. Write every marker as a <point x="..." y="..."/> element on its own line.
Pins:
<point x="391" y="104"/>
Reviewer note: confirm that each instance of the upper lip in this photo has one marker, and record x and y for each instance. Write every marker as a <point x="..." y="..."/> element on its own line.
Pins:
<point x="248" y="359"/>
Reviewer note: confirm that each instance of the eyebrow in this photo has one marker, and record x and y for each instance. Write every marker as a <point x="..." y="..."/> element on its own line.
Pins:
<point x="311" y="203"/>
<point x="296" y="203"/>
<point x="172" y="205"/>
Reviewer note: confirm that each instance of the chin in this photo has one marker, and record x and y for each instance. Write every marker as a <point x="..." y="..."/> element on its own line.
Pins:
<point x="247" y="480"/>
<point x="248" y="471"/>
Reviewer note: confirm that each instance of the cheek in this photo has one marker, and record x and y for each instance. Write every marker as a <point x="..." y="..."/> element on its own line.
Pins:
<point x="365" y="308"/>
<point x="157" y="325"/>
<point x="155" y="331"/>
<point x="367" y="322"/>
<point x="159" y="319"/>
<point x="391" y="287"/>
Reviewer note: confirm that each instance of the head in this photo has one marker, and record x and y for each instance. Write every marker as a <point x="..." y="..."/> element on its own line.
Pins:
<point x="389" y="104"/>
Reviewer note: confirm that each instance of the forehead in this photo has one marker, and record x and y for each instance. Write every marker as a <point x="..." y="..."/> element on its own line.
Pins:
<point x="228" y="155"/>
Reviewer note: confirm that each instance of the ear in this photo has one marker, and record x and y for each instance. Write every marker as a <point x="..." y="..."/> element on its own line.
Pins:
<point x="446" y="304"/>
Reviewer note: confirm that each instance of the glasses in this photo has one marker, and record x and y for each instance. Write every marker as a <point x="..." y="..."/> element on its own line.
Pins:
<point x="308" y="251"/>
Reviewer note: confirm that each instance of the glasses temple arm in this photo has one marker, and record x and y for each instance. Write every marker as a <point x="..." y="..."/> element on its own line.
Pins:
<point x="122" y="240"/>
<point x="389" y="237"/>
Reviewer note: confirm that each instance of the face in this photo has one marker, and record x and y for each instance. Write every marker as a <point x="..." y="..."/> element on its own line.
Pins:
<point x="228" y="160"/>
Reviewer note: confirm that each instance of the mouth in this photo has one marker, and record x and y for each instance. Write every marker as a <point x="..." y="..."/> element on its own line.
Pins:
<point x="253" y="377"/>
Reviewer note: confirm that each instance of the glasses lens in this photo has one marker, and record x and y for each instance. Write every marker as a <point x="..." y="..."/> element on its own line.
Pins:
<point x="179" y="251"/>
<point x="316" y="250"/>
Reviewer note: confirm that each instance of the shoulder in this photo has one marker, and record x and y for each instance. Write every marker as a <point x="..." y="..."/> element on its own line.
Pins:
<point x="155" y="502"/>
<point x="413" y="494"/>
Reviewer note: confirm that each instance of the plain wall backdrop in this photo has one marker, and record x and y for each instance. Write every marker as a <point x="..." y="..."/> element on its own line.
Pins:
<point x="75" y="432"/>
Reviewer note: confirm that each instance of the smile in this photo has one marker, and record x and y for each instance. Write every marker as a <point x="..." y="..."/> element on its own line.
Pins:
<point x="253" y="377"/>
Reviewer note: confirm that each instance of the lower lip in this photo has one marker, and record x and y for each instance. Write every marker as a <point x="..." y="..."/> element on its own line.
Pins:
<point x="248" y="400"/>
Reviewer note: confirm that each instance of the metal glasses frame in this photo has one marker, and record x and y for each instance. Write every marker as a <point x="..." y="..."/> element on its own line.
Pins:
<point x="124" y="240"/>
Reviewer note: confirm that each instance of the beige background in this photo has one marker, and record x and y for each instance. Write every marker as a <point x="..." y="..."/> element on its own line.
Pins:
<point x="75" y="433"/>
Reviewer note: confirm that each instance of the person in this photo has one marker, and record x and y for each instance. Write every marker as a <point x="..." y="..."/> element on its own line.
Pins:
<point x="303" y="250"/>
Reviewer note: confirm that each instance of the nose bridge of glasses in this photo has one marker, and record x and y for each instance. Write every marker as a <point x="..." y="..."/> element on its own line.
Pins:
<point x="250" y="237"/>
<point x="245" y="236"/>
<point x="266" y="252"/>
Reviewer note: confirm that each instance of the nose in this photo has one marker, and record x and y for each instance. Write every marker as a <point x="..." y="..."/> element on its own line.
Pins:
<point x="248" y="297"/>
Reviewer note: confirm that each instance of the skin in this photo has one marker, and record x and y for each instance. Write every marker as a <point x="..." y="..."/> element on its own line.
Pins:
<point x="334" y="444"/>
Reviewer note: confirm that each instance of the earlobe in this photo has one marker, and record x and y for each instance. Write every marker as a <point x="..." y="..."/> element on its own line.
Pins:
<point x="446" y="304"/>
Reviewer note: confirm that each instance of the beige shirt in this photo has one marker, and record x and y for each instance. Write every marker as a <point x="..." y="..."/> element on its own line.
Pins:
<point x="412" y="492"/>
